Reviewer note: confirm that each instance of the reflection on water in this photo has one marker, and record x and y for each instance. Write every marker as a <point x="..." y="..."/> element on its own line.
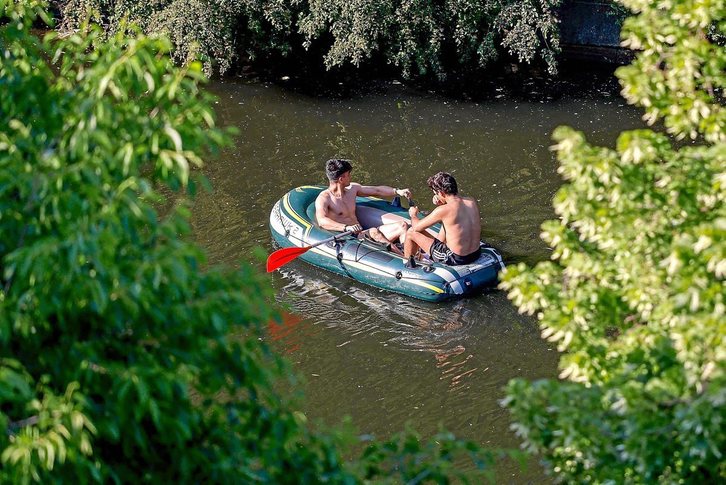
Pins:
<point x="289" y="333"/>
<point x="453" y="362"/>
<point x="385" y="359"/>
<point x="404" y="322"/>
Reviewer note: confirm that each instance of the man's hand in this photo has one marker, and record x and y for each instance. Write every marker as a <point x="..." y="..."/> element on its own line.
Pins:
<point x="413" y="212"/>
<point x="356" y="228"/>
<point x="404" y="193"/>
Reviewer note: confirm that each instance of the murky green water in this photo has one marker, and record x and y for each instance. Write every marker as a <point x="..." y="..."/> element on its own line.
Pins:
<point x="381" y="358"/>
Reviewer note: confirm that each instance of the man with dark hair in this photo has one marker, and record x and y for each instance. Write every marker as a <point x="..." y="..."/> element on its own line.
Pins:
<point x="458" y="240"/>
<point x="335" y="206"/>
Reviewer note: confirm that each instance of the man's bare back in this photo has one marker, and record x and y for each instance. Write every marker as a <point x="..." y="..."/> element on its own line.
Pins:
<point x="462" y="225"/>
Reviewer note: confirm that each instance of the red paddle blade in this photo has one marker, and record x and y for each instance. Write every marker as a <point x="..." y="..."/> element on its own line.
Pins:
<point x="283" y="256"/>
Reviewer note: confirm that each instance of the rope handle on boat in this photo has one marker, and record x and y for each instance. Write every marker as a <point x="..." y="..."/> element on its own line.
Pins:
<point x="283" y="256"/>
<point x="296" y="251"/>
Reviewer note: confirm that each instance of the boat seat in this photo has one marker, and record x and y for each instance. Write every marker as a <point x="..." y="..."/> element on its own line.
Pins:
<point x="371" y="217"/>
<point x="368" y="216"/>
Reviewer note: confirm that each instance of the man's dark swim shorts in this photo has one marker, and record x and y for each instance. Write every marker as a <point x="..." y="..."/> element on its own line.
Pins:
<point x="441" y="253"/>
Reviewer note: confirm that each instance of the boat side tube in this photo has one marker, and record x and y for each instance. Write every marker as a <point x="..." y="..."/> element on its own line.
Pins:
<point x="291" y="224"/>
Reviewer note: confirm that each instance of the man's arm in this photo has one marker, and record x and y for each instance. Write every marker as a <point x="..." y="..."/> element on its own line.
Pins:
<point x="420" y="225"/>
<point x="323" y="217"/>
<point x="382" y="191"/>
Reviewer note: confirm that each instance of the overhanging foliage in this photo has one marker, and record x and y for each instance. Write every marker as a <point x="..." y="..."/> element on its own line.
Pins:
<point x="417" y="37"/>
<point x="634" y="293"/>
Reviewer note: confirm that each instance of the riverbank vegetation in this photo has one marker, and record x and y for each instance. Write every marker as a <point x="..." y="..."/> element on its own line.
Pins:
<point x="634" y="293"/>
<point x="416" y="38"/>
<point x="121" y="360"/>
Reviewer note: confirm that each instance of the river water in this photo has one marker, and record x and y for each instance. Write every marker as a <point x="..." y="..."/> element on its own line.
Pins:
<point x="383" y="359"/>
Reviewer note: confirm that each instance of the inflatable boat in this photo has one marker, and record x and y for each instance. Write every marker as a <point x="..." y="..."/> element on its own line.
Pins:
<point x="292" y="223"/>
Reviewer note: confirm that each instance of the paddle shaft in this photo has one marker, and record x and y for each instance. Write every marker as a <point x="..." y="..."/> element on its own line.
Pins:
<point x="283" y="256"/>
<point x="332" y="238"/>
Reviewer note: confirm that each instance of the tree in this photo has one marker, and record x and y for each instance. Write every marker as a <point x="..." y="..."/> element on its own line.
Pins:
<point x="417" y="37"/>
<point x="634" y="293"/>
<point x="121" y="360"/>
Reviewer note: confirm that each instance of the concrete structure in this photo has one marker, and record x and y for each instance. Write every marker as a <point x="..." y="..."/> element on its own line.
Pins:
<point x="590" y="30"/>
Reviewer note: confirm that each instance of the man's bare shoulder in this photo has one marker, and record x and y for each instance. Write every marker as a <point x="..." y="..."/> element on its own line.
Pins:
<point x="354" y="187"/>
<point x="323" y="197"/>
<point x="441" y="211"/>
<point x="471" y="202"/>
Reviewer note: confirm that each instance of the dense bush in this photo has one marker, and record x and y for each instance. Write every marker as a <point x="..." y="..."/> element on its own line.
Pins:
<point x="635" y="293"/>
<point x="418" y="37"/>
<point x="121" y="360"/>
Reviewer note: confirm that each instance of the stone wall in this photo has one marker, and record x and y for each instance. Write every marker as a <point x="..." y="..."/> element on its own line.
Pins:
<point x="590" y="30"/>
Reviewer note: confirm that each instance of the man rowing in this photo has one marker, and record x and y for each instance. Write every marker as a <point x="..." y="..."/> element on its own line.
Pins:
<point x="335" y="206"/>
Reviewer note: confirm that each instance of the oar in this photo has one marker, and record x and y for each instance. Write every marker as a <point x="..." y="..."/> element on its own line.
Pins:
<point x="283" y="256"/>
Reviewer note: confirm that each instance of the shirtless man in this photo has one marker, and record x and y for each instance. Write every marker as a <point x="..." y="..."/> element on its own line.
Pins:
<point x="335" y="206"/>
<point x="458" y="240"/>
